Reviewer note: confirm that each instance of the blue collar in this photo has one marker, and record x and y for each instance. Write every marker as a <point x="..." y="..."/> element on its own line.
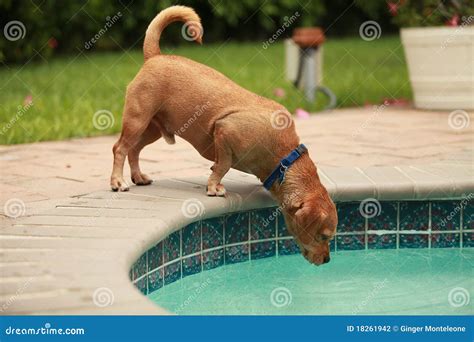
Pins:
<point x="285" y="163"/>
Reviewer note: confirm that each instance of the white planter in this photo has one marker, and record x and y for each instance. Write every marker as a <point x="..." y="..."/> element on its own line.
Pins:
<point x="441" y="66"/>
<point x="292" y="60"/>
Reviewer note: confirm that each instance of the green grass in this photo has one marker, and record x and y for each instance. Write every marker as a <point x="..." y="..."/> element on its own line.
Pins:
<point x="67" y="91"/>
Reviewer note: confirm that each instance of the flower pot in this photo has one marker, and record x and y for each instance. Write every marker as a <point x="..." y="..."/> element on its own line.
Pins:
<point x="441" y="66"/>
<point x="292" y="60"/>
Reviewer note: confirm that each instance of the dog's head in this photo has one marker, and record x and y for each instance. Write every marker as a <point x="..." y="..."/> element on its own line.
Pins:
<point x="313" y="221"/>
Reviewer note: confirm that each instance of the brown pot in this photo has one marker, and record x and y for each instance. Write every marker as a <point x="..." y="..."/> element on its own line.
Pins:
<point x="308" y="37"/>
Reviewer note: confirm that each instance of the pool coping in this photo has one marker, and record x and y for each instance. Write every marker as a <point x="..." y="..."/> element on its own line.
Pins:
<point x="61" y="269"/>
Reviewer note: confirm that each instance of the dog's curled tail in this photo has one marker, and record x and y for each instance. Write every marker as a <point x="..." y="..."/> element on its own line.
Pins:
<point x="192" y="28"/>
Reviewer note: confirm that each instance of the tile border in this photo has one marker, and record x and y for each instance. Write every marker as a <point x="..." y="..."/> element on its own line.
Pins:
<point x="419" y="235"/>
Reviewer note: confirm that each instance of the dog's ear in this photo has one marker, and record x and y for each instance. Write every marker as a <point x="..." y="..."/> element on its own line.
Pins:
<point x="307" y="216"/>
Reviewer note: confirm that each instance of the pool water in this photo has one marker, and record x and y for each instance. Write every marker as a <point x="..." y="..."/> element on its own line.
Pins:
<point x="407" y="282"/>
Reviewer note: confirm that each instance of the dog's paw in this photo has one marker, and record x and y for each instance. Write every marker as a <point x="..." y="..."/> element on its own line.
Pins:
<point x="141" y="179"/>
<point x="118" y="185"/>
<point x="220" y="190"/>
<point x="217" y="190"/>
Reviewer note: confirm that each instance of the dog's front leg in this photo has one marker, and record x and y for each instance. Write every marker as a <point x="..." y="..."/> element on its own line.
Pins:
<point x="222" y="164"/>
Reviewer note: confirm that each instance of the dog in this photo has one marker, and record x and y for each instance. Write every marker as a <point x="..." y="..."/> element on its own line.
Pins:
<point x="235" y="129"/>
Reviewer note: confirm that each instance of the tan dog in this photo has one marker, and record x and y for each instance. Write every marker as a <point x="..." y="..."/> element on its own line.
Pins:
<point x="228" y="125"/>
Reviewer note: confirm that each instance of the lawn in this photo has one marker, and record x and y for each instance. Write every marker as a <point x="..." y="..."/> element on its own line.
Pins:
<point x="67" y="91"/>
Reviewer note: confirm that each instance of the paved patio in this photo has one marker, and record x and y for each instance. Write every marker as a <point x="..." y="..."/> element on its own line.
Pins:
<point x="343" y="138"/>
<point x="73" y="236"/>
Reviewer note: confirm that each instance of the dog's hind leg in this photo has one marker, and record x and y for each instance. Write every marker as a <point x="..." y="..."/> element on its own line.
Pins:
<point x="151" y="134"/>
<point x="222" y="162"/>
<point x="134" y="124"/>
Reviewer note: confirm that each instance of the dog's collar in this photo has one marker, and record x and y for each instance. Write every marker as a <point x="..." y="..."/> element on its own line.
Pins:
<point x="285" y="163"/>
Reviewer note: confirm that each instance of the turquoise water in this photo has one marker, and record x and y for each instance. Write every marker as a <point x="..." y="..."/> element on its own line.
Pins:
<point x="410" y="282"/>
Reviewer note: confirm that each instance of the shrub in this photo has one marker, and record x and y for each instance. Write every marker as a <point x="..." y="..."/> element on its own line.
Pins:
<point x="52" y="26"/>
<point x="417" y="13"/>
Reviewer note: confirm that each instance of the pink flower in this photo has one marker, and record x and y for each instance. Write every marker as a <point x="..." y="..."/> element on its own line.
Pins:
<point x="28" y="100"/>
<point x="396" y="102"/>
<point x="454" y="21"/>
<point x="279" y="92"/>
<point x="52" y="43"/>
<point x="393" y="8"/>
<point x="301" y="113"/>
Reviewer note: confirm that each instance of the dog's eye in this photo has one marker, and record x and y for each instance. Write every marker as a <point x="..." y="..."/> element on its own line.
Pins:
<point x="325" y="237"/>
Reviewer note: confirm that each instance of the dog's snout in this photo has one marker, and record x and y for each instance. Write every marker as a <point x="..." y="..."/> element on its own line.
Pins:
<point x="327" y="259"/>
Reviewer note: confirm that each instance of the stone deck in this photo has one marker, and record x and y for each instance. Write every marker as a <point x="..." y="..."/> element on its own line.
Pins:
<point x="73" y="237"/>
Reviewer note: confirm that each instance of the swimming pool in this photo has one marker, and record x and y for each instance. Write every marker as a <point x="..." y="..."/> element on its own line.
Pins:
<point x="402" y="282"/>
<point x="399" y="257"/>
